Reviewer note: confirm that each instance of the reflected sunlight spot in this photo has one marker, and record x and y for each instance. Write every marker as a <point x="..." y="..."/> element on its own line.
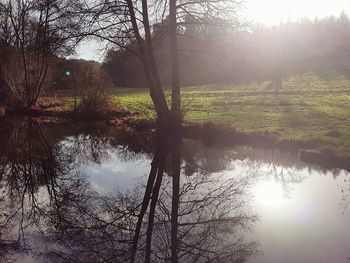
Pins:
<point x="269" y="194"/>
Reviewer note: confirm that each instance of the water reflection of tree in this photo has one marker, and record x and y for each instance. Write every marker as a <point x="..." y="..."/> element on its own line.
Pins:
<point x="274" y="165"/>
<point x="185" y="211"/>
<point x="345" y="191"/>
<point x="34" y="173"/>
<point x="27" y="163"/>
<point x="199" y="218"/>
<point x="195" y="219"/>
<point x="26" y="151"/>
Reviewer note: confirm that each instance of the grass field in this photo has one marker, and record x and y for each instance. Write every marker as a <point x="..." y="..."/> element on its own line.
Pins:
<point x="307" y="108"/>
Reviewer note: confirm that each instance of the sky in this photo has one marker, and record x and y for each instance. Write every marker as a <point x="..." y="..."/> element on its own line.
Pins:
<point x="275" y="11"/>
<point x="267" y="12"/>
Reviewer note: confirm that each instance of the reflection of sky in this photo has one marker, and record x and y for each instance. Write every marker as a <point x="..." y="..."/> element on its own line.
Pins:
<point x="309" y="226"/>
<point x="305" y="225"/>
<point x="114" y="175"/>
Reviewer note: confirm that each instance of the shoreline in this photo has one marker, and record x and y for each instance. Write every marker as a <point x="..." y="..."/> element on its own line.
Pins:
<point x="210" y="134"/>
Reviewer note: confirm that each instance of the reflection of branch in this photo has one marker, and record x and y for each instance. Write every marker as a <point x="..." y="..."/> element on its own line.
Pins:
<point x="29" y="163"/>
<point x="156" y="175"/>
<point x="345" y="191"/>
<point x="195" y="218"/>
<point x="216" y="220"/>
<point x="176" y="169"/>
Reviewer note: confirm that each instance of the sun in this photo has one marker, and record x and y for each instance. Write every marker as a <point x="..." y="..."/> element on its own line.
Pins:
<point x="274" y="11"/>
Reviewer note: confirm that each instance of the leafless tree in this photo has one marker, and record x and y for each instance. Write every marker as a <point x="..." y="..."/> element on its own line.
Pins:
<point x="34" y="32"/>
<point x="128" y="25"/>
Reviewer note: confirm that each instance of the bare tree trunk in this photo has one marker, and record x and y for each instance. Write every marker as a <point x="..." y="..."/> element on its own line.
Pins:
<point x="175" y="82"/>
<point x="149" y="64"/>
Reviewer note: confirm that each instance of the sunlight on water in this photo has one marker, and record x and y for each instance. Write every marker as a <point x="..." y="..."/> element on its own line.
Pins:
<point x="81" y="189"/>
<point x="269" y="194"/>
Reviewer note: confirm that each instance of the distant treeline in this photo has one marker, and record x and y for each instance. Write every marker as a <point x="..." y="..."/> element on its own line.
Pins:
<point x="65" y="74"/>
<point x="211" y="54"/>
<point x="71" y="74"/>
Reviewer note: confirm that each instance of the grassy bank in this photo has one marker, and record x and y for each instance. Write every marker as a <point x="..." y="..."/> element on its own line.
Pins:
<point x="308" y="108"/>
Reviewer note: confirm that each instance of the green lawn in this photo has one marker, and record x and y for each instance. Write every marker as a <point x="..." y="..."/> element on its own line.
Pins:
<point x="308" y="107"/>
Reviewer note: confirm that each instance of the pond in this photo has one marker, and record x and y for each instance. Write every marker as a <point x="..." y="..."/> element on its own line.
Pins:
<point x="74" y="192"/>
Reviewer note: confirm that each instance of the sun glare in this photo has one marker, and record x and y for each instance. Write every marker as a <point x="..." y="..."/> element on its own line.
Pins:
<point x="269" y="194"/>
<point x="274" y="11"/>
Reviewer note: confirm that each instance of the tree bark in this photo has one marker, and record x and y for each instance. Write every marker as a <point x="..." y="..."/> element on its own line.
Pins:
<point x="149" y="65"/>
<point x="175" y="81"/>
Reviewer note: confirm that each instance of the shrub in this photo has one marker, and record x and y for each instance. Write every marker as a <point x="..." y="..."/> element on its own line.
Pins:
<point x="22" y="79"/>
<point x="95" y="101"/>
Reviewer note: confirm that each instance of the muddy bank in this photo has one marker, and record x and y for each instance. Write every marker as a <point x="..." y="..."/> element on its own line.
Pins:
<point x="120" y="112"/>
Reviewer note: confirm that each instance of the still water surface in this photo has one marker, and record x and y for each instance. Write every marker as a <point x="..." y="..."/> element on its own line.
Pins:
<point x="74" y="193"/>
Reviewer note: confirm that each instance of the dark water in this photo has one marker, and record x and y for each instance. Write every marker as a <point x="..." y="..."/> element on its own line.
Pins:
<point x="78" y="193"/>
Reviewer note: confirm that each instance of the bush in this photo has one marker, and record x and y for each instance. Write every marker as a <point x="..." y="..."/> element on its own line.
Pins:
<point x="21" y="80"/>
<point x="93" y="102"/>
